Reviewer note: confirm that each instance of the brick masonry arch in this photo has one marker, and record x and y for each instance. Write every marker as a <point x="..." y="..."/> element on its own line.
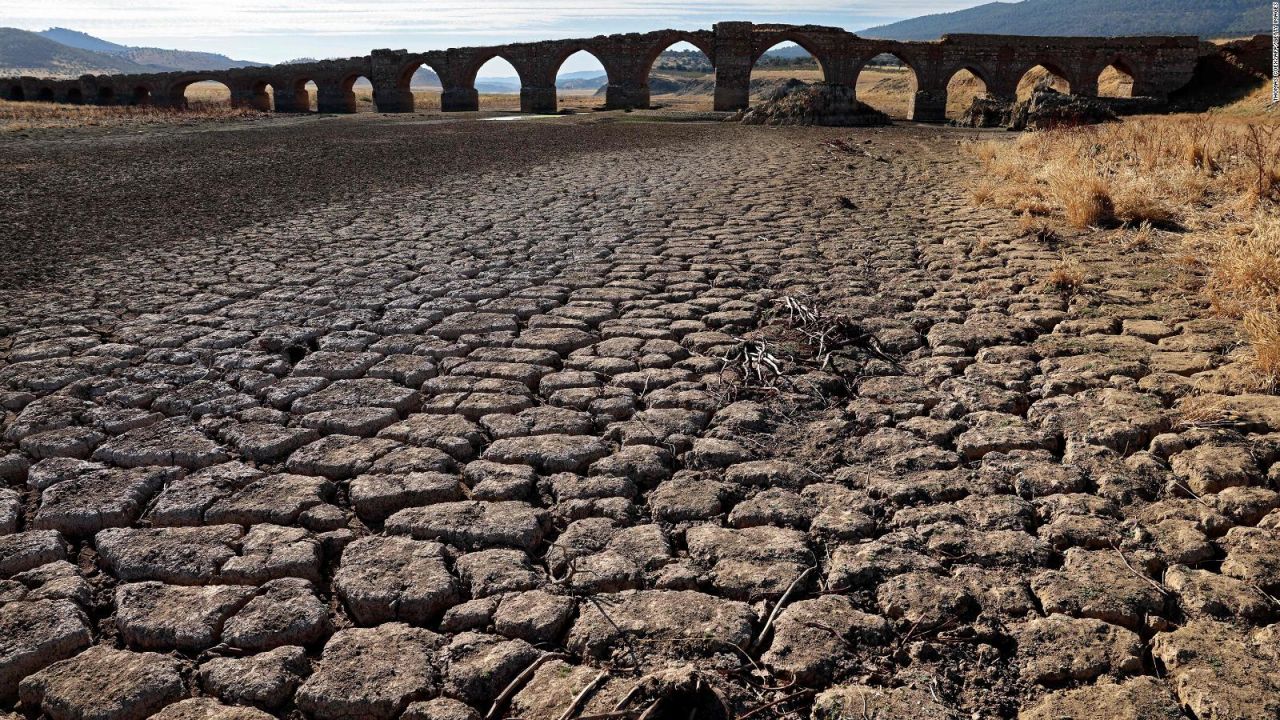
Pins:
<point x="809" y="44"/>
<point x="1055" y="66"/>
<point x="666" y="39"/>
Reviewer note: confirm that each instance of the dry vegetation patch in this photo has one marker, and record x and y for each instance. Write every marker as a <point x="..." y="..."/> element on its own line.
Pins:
<point x="212" y="104"/>
<point x="21" y="116"/>
<point x="1214" y="179"/>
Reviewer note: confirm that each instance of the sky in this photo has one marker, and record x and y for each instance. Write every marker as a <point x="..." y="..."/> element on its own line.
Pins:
<point x="281" y="30"/>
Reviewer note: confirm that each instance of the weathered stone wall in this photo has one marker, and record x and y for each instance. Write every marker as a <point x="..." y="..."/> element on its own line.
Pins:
<point x="1158" y="66"/>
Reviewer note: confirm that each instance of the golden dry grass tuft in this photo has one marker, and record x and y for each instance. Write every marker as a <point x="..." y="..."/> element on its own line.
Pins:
<point x="1202" y="411"/>
<point x="1083" y="195"/>
<point x="1245" y="269"/>
<point x="1216" y="177"/>
<point x="1067" y="278"/>
<point x="1142" y="238"/>
<point x="1263" y="330"/>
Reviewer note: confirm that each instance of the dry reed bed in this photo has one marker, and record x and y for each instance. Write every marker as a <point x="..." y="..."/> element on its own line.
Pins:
<point x="20" y="116"/>
<point x="205" y="104"/>
<point x="1214" y="179"/>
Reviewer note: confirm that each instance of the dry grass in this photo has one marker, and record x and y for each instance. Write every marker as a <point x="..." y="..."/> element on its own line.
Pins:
<point x="1215" y="177"/>
<point x="1162" y="170"/>
<point x="1067" y="277"/>
<point x="1142" y="238"/>
<point x="212" y="102"/>
<point x="22" y="116"/>
<point x="1202" y="411"/>
<point x="1245" y="269"/>
<point x="1263" y="330"/>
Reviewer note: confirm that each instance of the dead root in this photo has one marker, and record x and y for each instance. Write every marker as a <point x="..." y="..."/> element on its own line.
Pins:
<point x="682" y="687"/>
<point x="755" y="362"/>
<point x="833" y="337"/>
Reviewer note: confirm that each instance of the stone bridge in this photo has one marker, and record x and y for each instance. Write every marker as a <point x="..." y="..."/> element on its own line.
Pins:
<point x="1155" y="65"/>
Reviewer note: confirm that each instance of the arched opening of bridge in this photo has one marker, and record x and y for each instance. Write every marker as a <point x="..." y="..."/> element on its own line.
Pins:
<point x="581" y="82"/>
<point x="888" y="83"/>
<point x="422" y="82"/>
<point x="106" y="96"/>
<point x="498" y="85"/>
<point x="1040" y="77"/>
<point x="682" y="76"/>
<point x="75" y="96"/>
<point x="307" y="95"/>
<point x="206" y="95"/>
<point x="784" y="65"/>
<point x="141" y="96"/>
<point x="15" y="93"/>
<point x="1116" y="80"/>
<point x="45" y="94"/>
<point x="358" y="90"/>
<point x="963" y="88"/>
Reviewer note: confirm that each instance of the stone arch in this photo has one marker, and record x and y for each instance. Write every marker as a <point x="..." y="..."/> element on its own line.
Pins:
<point x="45" y="94"/>
<point x="612" y="74"/>
<point x="660" y="84"/>
<point x="178" y="92"/>
<point x="1042" y="70"/>
<point x="666" y="41"/>
<point x="760" y="85"/>
<point x="305" y="99"/>
<point x="75" y="96"/>
<point x="963" y="83"/>
<point x="404" y="77"/>
<point x="262" y="94"/>
<point x="15" y="93"/>
<point x="106" y="95"/>
<point x="141" y="96"/>
<point x="766" y="42"/>
<point x="885" y="87"/>
<point x="562" y="56"/>
<point x="401" y="95"/>
<point x="470" y="81"/>
<point x="347" y="90"/>
<point x="1117" y="78"/>
<point x="472" y="68"/>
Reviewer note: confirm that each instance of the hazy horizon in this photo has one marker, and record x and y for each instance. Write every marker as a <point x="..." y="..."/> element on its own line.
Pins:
<point x="273" y="32"/>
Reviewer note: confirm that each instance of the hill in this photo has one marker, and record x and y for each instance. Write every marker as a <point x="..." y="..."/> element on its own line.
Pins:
<point x="84" y="41"/>
<point x="157" y="57"/>
<point x="28" y="53"/>
<point x="1206" y="18"/>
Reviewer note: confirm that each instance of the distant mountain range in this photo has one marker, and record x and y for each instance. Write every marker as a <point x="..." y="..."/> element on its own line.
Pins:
<point x="61" y="52"/>
<point x="1205" y="18"/>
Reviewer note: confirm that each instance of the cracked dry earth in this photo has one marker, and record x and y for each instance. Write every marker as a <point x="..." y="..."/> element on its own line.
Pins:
<point x="476" y="448"/>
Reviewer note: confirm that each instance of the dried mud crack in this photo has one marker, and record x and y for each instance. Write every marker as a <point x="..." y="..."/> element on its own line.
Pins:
<point x="708" y="421"/>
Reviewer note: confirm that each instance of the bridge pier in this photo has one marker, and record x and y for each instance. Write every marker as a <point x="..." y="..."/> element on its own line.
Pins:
<point x="733" y="51"/>
<point x="291" y="100"/>
<point x="331" y="97"/>
<point x="538" y="100"/>
<point x="626" y="97"/>
<point x="928" y="106"/>
<point x="389" y="94"/>
<point x="461" y="99"/>
<point x="392" y="100"/>
<point x="250" y="96"/>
